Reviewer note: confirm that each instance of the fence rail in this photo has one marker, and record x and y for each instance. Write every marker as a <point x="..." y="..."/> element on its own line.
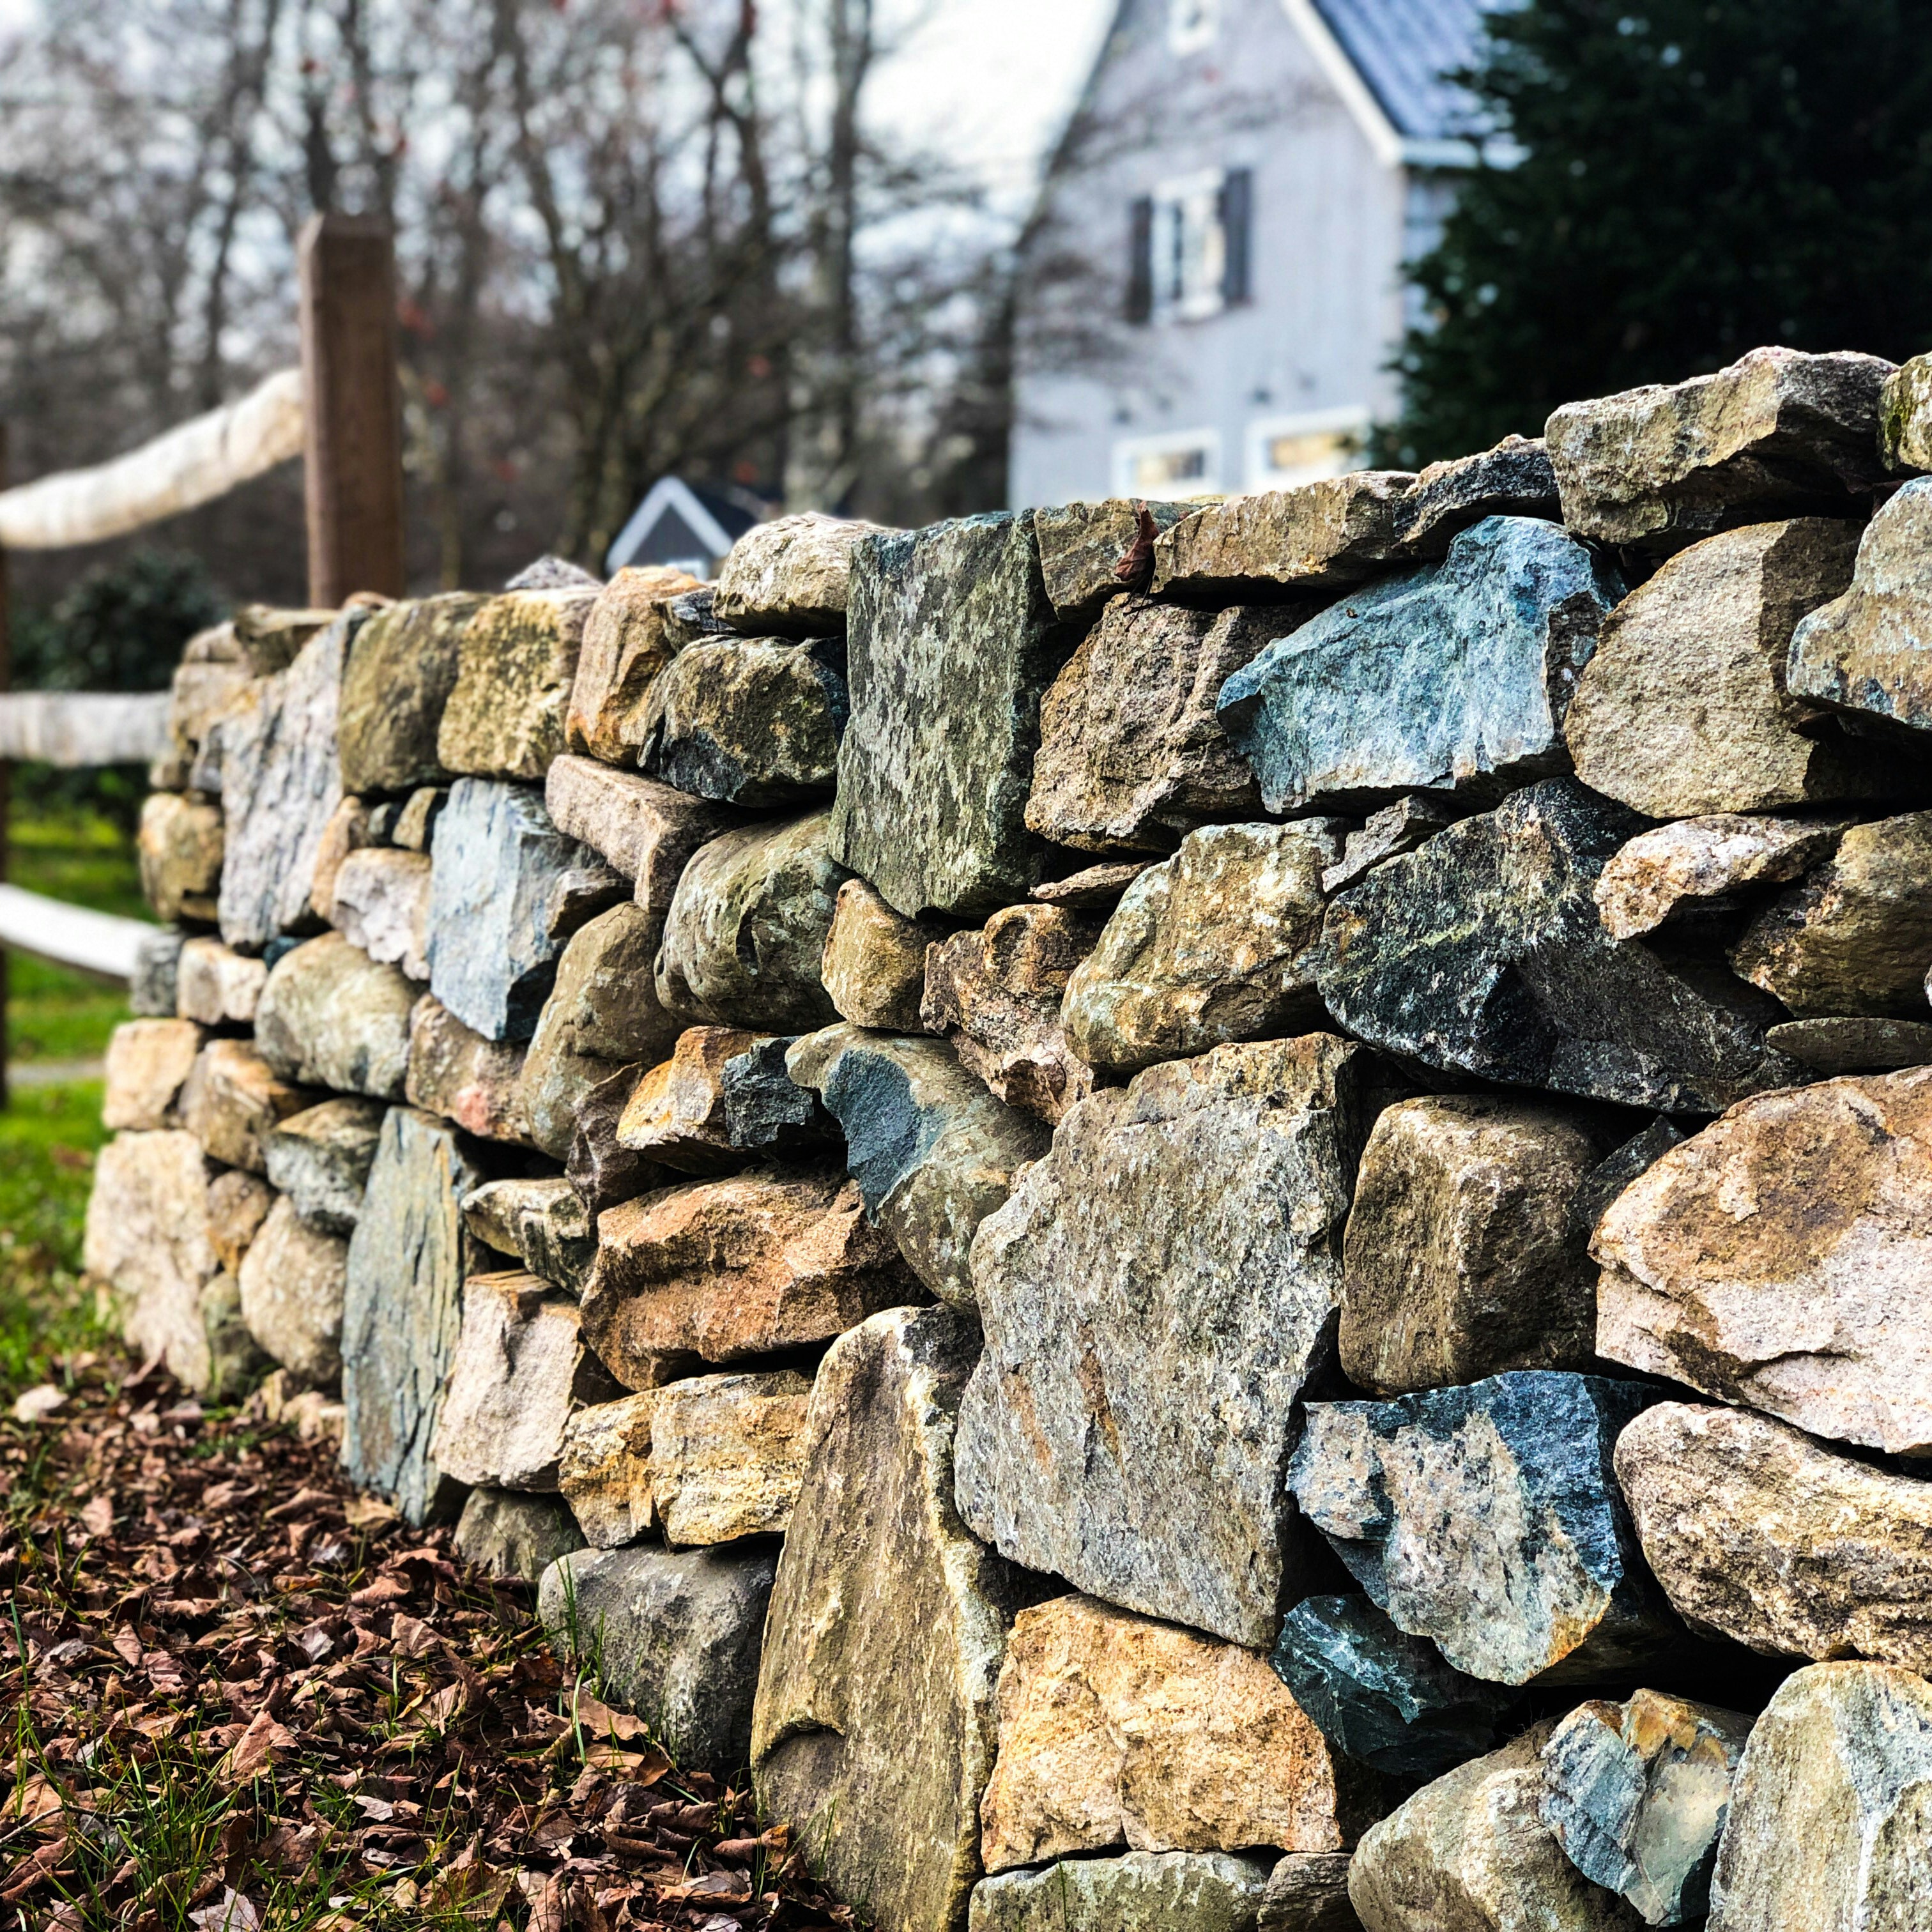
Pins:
<point x="101" y="942"/>
<point x="75" y="729"/>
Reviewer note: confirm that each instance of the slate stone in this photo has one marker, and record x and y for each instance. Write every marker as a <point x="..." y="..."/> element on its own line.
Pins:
<point x="727" y="1456"/>
<point x="644" y="829"/>
<point x="1454" y="677"/>
<point x="507" y="891"/>
<point x="1487" y="1519"/>
<point x="1089" y="553"/>
<point x="1308" y="1891"/>
<point x="232" y="1100"/>
<point x="506" y="1535"/>
<point x="625" y="646"/>
<point x="402" y="668"/>
<point x="1617" y="1170"/>
<point x="601" y="1171"/>
<point x="765" y="1111"/>
<point x="873" y="968"/>
<point x="1905" y="416"/>
<point x="1777" y="433"/>
<point x="330" y="1016"/>
<point x="178" y="846"/>
<point x="292" y="1282"/>
<point x="1481" y="953"/>
<point x="1516" y="479"/>
<point x="1853" y="1046"/>
<point x="455" y="1072"/>
<point x="1143" y="1891"/>
<point x="516" y="661"/>
<point x="680" y="1633"/>
<point x="381" y="905"/>
<point x="148" y="1062"/>
<point x="1379" y="1696"/>
<point x="1413" y="819"/>
<point x="692" y="616"/>
<point x="151" y="989"/>
<point x="1698" y="865"/>
<point x="216" y="985"/>
<point x="951" y="646"/>
<point x="791" y="577"/>
<point x="320" y="1158"/>
<point x="1144" y="1270"/>
<point x="605" y="1470"/>
<point x="1316" y="536"/>
<point x="543" y="1222"/>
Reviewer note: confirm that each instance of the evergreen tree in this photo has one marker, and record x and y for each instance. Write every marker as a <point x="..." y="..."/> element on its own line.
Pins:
<point x="1696" y="179"/>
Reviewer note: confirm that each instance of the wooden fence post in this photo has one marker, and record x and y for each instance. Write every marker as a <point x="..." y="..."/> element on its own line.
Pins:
<point x="353" y="468"/>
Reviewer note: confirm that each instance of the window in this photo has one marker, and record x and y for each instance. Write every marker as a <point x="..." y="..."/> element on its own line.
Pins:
<point x="1286" y="450"/>
<point x="1191" y="24"/>
<point x="1185" y="463"/>
<point x="1190" y="246"/>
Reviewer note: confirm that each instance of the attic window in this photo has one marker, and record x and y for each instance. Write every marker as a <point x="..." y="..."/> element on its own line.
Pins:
<point x="1190" y="241"/>
<point x="1193" y="25"/>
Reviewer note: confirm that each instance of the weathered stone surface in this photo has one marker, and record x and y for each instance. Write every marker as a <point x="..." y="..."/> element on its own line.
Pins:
<point x="351" y="825"/>
<point x="727" y="1455"/>
<point x="1146" y="1269"/>
<point x="235" y="1363"/>
<point x="381" y="905"/>
<point x="952" y="646"/>
<point x="692" y="617"/>
<point x="681" y="1634"/>
<point x="1831" y="1818"/>
<point x="1482" y="953"/>
<point x="516" y="661"/>
<point x="624" y="646"/>
<point x="1455" y="677"/>
<point x="269" y="637"/>
<point x="1516" y="479"/>
<point x="1315" y="536"/>
<point x="402" y="1310"/>
<point x="765" y="1112"/>
<point x="217" y="985"/>
<point x="1387" y="834"/>
<point x="1308" y="1891"/>
<point x="1092" y="889"/>
<point x="875" y="1725"/>
<point x="1777" y="433"/>
<point x="402" y="669"/>
<point x="873" y="968"/>
<point x="232" y="1100"/>
<point x="238" y="1204"/>
<point x="454" y="1071"/>
<point x="552" y="572"/>
<point x="147" y="1063"/>
<point x="179" y="847"/>
<point x="675" y="1114"/>
<point x="1114" y="1729"/>
<point x="604" y="1471"/>
<point x="416" y="822"/>
<point x="933" y="1152"/>
<point x="791" y="577"/>
<point x="1091" y="552"/>
<point x="998" y="994"/>
<point x="152" y="993"/>
<point x="331" y="1016"/>
<point x="645" y="830"/>
<point x="506" y="1535"/>
<point x="1461" y="1258"/>
<point x="745" y="934"/>
<point x="543" y="1223"/>
<point x="1216" y="944"/>
<point x="601" y="1171"/>
<point x="507" y="891"/>
<point x="1380" y="1696"/>
<point x="1775" y="1258"/>
<point x="293" y="1279"/>
<point x="320" y="1159"/>
<point x="1699" y="863"/>
<point x="1853" y="1046"/>
<point x="1486" y="1519"/>
<point x="1144" y="1891"/>
<point x="730" y="1268"/>
<point x="1905" y="415"/>
<point x="1131" y="753"/>
<point x="1636" y="1794"/>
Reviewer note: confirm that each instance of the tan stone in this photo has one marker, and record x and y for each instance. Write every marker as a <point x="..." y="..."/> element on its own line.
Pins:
<point x="1090" y="552"/>
<point x="605" y="1470"/>
<point x="727" y="1455"/>
<point x="1115" y="1730"/>
<point x="238" y="1204"/>
<point x="332" y="1016"/>
<point x="382" y="906"/>
<point x="675" y="1114"/>
<point x="1685" y="867"/>
<point x="791" y="577"/>
<point x="874" y="963"/>
<point x="624" y="646"/>
<point x="179" y="846"/>
<point x="455" y="1072"/>
<point x="292" y="1281"/>
<point x="1331" y="533"/>
<point x="645" y="830"/>
<point x="402" y="668"/>
<point x="217" y="985"/>
<point x="233" y="1098"/>
<point x="347" y="830"/>
<point x="541" y="1221"/>
<point x="148" y="1061"/>
<point x="516" y="662"/>
<point x="1905" y="415"/>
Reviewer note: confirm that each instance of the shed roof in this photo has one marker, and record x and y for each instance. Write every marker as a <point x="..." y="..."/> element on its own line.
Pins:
<point x="1403" y="49"/>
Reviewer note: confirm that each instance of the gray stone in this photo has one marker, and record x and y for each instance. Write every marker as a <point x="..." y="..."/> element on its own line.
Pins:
<point x="1697" y="865"/>
<point x="179" y="850"/>
<point x="402" y="668"/>
<point x="1516" y="479"/>
<point x="1853" y="1046"/>
<point x="692" y="616"/>
<point x="625" y="645"/>
<point x="1316" y="536"/>
<point x="455" y="1072"/>
<point x="330" y="1016"/>
<point x="645" y="830"/>
<point x="1144" y="1891"/>
<point x="765" y="1110"/>
<point x="1487" y="1519"/>
<point x="544" y="1223"/>
<point x="604" y="1174"/>
<point x="1387" y="834"/>
<point x="1144" y="1271"/>
<point x="235" y="1363"/>
<point x="791" y="577"/>
<point x="152" y="990"/>
<point x="1905" y="415"/>
<point x="1091" y="552"/>
<point x="232" y="1100"/>
<point x="676" y="1116"/>
<point x="1454" y="677"/>
<point x="516" y="661"/>
<point x="1618" y="1168"/>
<point x="506" y="1535"/>
<point x="381" y="904"/>
<point x="1308" y="1891"/>
<point x="292" y="1282"/>
<point x="216" y="985"/>
<point x="873" y="968"/>
<point x="320" y="1159"/>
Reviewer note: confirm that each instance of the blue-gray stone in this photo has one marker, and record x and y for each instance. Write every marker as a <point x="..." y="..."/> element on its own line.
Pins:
<point x="151" y="988"/>
<point x="764" y="1109"/>
<point x="1488" y="1519"/>
<point x="1381" y="1697"/>
<point x="1454" y="677"/>
<point x="506" y="890"/>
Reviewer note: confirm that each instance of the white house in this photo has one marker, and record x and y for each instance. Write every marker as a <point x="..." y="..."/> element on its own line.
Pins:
<point x="1213" y="289"/>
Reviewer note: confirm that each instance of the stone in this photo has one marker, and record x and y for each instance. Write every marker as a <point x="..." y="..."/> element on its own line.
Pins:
<point x="1481" y="953"/>
<point x="643" y="829"/>
<point x="416" y="822"/>
<point x="542" y="1222"/>
<point x="679" y="1637"/>
<point x="1308" y="1891"/>
<point x="791" y="577"/>
<point x="1636" y="1793"/>
<point x="765" y="1112"/>
<point x="933" y="1152"/>
<point x="320" y="1159"/>
<point x="727" y="1455"/>
<point x="551" y="572"/>
<point x="1697" y="865"/>
<point x="676" y="1113"/>
<point x="151" y="989"/>
<point x="269" y="638"/>
<point x="1214" y="945"/>
<point x="1316" y="536"/>
<point x="198" y="694"/>
<point x="516" y="662"/>
<point x="519" y="1370"/>
<point x="310" y="1414"/>
<point x="351" y="825"/>
<point x="1145" y="1270"/>
<point x="292" y="1281"/>
<point x="179" y="845"/>
<point x="235" y="1363"/>
<point x="604" y="1174"/>
<point x="1380" y="1696"/>
<point x="331" y="1016"/>
<point x="604" y="1471"/>
<point x="506" y="1535"/>
<point x="1516" y="479"/>
<point x="745" y="934"/>
<point x="624" y="646"/>
<point x="1471" y="1853"/>
<point x="1856" y="937"/>
<point x="1905" y="415"/>
<point x="1460" y="1259"/>
<point x="1774" y="1259"/>
<point x="1778" y="434"/>
<point x="381" y="905"/>
<point x="1092" y="889"/>
<point x="1761" y="1536"/>
<point x="232" y="1100"/>
<point x="1487" y="1519"/>
<point x="1387" y="834"/>
<point x="873" y="968"/>
<point x="1144" y="1891"/>
<point x="147" y="1063"/>
<point x="1114" y="1729"/>
<point x="1830" y="1817"/>
<point x="217" y="985"/>
<point x="455" y="1072"/>
<point x="726" y="1269"/>
<point x="873" y="1730"/>
<point x="1090" y="553"/>
<point x="951" y="646"/>
<point x="238" y="1204"/>
<point x="1454" y="677"/>
<point x="1131" y="753"/>
<point x="746" y="721"/>
<point x="997" y="994"/>
<point x="1853" y="1044"/>
<point x="692" y="616"/>
<point x="402" y="668"/>
<point x="508" y="890"/>
<point x="402" y="1311"/>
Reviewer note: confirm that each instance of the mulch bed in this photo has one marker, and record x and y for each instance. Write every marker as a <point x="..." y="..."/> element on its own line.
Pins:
<point x="238" y="1695"/>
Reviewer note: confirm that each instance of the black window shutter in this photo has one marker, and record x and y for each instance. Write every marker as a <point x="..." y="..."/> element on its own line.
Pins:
<point x="1140" y="259"/>
<point x="1237" y="221"/>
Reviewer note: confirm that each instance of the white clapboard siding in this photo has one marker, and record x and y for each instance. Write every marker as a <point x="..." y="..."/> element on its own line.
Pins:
<point x="74" y="729"/>
<point x="71" y="935"/>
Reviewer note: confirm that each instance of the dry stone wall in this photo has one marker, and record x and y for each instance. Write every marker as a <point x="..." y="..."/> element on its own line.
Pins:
<point x="1214" y="1216"/>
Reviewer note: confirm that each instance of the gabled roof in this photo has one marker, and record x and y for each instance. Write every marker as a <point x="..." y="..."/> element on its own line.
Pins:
<point x="1403" y="48"/>
<point x="693" y="522"/>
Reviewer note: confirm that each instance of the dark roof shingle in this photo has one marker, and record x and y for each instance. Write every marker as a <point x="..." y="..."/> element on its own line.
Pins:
<point x="1403" y="48"/>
